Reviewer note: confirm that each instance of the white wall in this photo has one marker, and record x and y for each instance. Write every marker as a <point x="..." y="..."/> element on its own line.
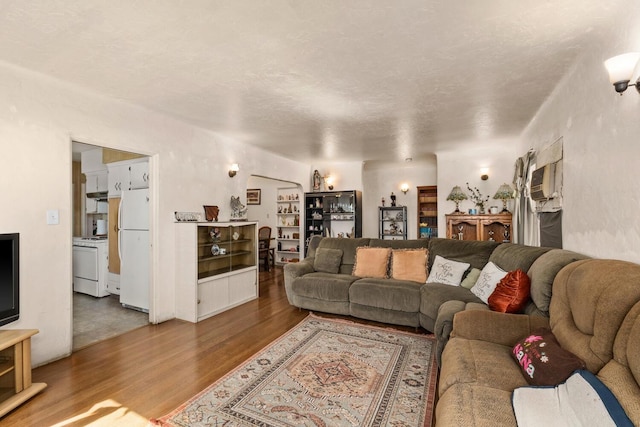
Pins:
<point x="462" y="166"/>
<point x="265" y="212"/>
<point x="601" y="136"/>
<point x="38" y="118"/>
<point x="346" y="175"/>
<point x="382" y="178"/>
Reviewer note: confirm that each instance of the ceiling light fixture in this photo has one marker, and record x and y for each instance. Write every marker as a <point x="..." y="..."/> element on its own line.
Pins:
<point x="234" y="170"/>
<point x="621" y="70"/>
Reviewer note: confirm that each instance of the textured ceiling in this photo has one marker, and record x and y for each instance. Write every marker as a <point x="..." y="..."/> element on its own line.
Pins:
<point x="323" y="80"/>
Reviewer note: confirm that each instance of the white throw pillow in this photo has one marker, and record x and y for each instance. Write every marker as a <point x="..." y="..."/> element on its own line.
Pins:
<point x="447" y="271"/>
<point x="489" y="278"/>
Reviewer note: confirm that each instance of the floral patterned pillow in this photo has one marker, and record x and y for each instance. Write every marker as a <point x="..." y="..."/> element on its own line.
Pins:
<point x="447" y="271"/>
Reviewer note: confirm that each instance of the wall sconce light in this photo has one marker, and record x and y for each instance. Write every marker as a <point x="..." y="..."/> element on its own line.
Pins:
<point x="621" y="70"/>
<point x="328" y="182"/>
<point x="404" y="188"/>
<point x="484" y="174"/>
<point x="234" y="170"/>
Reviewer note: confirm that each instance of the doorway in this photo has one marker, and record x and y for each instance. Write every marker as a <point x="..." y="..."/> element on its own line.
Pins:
<point x="101" y="177"/>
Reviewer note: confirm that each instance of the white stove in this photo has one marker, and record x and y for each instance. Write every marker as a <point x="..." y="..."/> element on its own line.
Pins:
<point x="90" y="262"/>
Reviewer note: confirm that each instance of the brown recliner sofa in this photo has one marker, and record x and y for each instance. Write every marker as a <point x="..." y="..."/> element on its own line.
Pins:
<point x="594" y="313"/>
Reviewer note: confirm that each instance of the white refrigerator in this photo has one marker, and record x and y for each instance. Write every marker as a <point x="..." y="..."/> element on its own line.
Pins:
<point x="134" y="249"/>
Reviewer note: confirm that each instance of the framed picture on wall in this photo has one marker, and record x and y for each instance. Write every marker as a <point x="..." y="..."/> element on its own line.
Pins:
<point x="253" y="196"/>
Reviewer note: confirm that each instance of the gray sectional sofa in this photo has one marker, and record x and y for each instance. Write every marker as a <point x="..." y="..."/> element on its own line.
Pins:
<point x="409" y="303"/>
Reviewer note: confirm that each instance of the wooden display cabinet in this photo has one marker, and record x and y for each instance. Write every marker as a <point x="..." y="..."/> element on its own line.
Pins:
<point x="496" y="227"/>
<point x="216" y="267"/>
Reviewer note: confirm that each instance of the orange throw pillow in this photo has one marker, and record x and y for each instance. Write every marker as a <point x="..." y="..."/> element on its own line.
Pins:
<point x="512" y="293"/>
<point x="409" y="264"/>
<point x="372" y="262"/>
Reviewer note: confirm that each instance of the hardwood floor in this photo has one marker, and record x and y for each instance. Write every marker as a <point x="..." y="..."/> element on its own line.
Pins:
<point x="148" y="372"/>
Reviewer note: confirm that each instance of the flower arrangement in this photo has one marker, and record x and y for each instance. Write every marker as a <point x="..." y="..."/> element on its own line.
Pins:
<point x="477" y="197"/>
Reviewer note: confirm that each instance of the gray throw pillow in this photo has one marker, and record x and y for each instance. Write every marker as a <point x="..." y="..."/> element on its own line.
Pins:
<point x="327" y="260"/>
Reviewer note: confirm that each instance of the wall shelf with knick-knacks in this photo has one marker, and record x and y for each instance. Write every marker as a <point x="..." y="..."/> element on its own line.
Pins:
<point x="288" y="225"/>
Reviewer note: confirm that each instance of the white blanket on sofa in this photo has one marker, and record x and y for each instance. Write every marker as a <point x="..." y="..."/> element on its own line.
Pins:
<point x="582" y="400"/>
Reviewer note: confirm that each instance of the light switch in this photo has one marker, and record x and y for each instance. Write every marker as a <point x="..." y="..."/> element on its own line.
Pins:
<point x="53" y="217"/>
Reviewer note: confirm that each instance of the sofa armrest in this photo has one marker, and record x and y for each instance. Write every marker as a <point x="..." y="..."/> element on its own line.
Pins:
<point x="294" y="270"/>
<point x="444" y="322"/>
<point x="499" y="328"/>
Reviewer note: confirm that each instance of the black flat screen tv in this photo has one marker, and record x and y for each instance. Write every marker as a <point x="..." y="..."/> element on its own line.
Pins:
<point x="9" y="278"/>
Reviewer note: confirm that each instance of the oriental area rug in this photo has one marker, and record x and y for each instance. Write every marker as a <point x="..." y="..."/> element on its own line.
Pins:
<point x="323" y="372"/>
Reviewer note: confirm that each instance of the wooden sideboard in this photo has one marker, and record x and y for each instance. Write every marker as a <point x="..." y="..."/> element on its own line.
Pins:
<point x="479" y="227"/>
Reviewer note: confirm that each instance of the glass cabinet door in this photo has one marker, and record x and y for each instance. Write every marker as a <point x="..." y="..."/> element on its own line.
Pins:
<point x="222" y="249"/>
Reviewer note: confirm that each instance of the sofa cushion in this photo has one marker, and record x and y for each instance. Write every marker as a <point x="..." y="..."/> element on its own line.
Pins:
<point x="511" y="294"/>
<point x="489" y="278"/>
<point x="325" y="286"/>
<point x="348" y="247"/>
<point x="543" y="361"/>
<point x="474" y="252"/>
<point x="399" y="244"/>
<point x="447" y="271"/>
<point x="372" y="262"/>
<point x="409" y="264"/>
<point x="389" y="294"/>
<point x="482" y="363"/>
<point x="544" y="270"/>
<point x="327" y="260"/>
<point x="511" y="256"/>
<point x="471" y="278"/>
<point x="433" y="295"/>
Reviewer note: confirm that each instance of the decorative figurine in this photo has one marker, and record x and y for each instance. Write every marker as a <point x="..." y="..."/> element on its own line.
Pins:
<point x="393" y="199"/>
<point x="383" y="202"/>
<point x="316" y="180"/>
<point x="238" y="210"/>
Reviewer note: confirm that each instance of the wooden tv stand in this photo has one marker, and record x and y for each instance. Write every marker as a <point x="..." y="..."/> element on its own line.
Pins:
<point x="15" y="369"/>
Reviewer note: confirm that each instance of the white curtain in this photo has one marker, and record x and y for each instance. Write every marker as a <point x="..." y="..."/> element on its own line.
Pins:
<point x="526" y="225"/>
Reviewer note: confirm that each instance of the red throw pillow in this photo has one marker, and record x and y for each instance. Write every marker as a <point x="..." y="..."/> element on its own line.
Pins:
<point x="543" y="361"/>
<point x="512" y="293"/>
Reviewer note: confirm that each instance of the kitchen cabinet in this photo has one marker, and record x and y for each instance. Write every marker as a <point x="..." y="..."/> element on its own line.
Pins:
<point x="127" y="175"/>
<point x="91" y="161"/>
<point x="97" y="182"/>
<point x="118" y="179"/>
<point x="495" y="227"/>
<point x="96" y="206"/>
<point x="216" y="267"/>
<point x="139" y="175"/>
<point x="15" y="369"/>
